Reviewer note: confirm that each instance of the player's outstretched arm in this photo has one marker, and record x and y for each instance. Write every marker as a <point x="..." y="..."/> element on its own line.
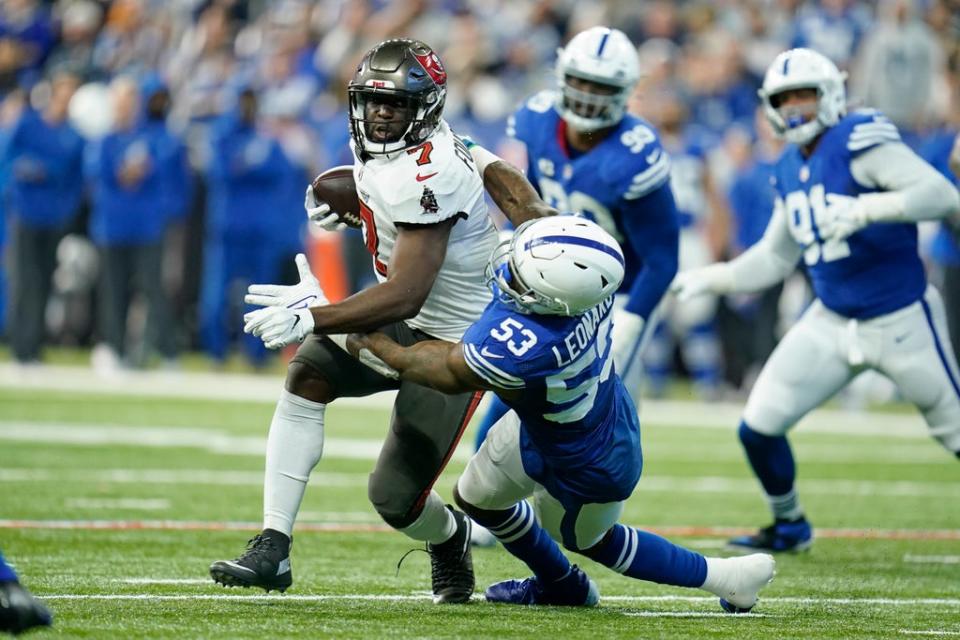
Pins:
<point x="514" y="194"/>
<point x="417" y="256"/>
<point x="909" y="190"/>
<point x="764" y="264"/>
<point x="432" y="363"/>
<point x="508" y="187"/>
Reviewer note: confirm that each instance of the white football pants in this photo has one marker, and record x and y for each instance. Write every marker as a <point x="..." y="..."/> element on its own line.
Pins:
<point x="495" y="480"/>
<point x="824" y="351"/>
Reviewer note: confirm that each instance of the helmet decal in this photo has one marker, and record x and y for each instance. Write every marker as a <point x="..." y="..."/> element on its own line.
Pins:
<point x="432" y="65"/>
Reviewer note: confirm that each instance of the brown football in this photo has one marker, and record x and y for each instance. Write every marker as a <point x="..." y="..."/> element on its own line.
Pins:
<point x="336" y="187"/>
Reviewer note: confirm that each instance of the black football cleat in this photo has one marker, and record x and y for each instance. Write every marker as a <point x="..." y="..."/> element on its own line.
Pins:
<point x="451" y="565"/>
<point x="265" y="564"/>
<point x="19" y="610"/>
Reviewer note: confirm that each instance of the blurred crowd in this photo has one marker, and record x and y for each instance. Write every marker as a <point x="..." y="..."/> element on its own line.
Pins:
<point x="155" y="153"/>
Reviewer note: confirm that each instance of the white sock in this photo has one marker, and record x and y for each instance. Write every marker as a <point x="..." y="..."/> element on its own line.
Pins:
<point x="717" y="576"/>
<point x="435" y="523"/>
<point x="294" y="447"/>
<point x="786" y="507"/>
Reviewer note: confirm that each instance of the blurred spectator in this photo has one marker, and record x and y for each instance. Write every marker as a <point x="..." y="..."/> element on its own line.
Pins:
<point x="832" y="27"/>
<point x="176" y="198"/>
<point x="901" y="69"/>
<point x="130" y="173"/>
<point x="297" y="55"/>
<point x="248" y="178"/>
<point x="79" y="25"/>
<point x="748" y="322"/>
<point x="26" y="37"/>
<point x="691" y="327"/>
<point x="943" y="152"/>
<point x="718" y="89"/>
<point x="43" y="155"/>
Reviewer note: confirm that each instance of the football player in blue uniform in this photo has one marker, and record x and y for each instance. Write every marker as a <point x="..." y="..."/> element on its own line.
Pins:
<point x="849" y="195"/>
<point x="587" y="155"/>
<point x="572" y="439"/>
<point x="19" y="610"/>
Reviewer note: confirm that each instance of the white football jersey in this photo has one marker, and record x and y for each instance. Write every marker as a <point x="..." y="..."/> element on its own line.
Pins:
<point x="427" y="184"/>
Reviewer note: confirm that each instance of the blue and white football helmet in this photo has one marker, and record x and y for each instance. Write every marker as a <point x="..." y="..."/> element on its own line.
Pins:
<point x="804" y="69"/>
<point x="602" y="55"/>
<point x="558" y="265"/>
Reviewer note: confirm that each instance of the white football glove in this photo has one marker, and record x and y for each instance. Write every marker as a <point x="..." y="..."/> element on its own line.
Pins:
<point x="845" y="216"/>
<point x="320" y="214"/>
<point x="714" y="278"/>
<point x="306" y="293"/>
<point x="279" y="326"/>
<point x="627" y="327"/>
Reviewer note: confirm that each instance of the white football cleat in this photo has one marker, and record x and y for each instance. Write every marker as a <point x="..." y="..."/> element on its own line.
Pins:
<point x="738" y="580"/>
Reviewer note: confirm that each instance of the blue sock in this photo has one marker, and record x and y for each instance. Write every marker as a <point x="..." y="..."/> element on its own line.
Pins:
<point x="7" y="574"/>
<point x="646" y="556"/>
<point x="771" y="459"/>
<point x="520" y="534"/>
<point x="701" y="353"/>
<point x="496" y="411"/>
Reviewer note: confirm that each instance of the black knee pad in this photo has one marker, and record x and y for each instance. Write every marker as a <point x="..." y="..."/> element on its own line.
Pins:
<point x="397" y="507"/>
<point x="307" y="382"/>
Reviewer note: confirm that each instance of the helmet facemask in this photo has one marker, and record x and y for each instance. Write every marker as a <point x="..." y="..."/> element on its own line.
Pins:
<point x="803" y="69"/>
<point x="559" y="265"/>
<point x="797" y="123"/>
<point x="385" y="121"/>
<point x="595" y="75"/>
<point x="508" y="287"/>
<point x="588" y="110"/>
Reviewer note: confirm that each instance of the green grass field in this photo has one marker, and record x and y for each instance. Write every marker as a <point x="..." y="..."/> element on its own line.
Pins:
<point x="81" y="472"/>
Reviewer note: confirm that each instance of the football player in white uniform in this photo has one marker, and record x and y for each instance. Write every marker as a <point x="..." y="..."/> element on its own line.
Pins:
<point x="429" y="234"/>
<point x="848" y="196"/>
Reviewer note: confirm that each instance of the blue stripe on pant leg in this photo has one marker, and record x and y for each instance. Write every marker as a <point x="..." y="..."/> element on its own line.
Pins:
<point x="939" y="347"/>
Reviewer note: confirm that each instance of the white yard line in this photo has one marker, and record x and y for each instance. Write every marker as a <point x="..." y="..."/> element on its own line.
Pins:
<point x="173" y="476"/>
<point x="648" y="483"/>
<point x="163" y="581"/>
<point x="896" y="602"/>
<point x="260" y="388"/>
<point x="931" y="559"/>
<point x="138" y="504"/>
<point x="695" y="531"/>
<point x="928" y="632"/>
<point x="692" y="614"/>
<point x="212" y="440"/>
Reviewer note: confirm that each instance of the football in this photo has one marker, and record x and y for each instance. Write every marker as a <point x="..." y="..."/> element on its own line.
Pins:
<point x="336" y="187"/>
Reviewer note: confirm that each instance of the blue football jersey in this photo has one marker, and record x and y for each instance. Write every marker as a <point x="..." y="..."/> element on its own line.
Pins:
<point x="876" y="270"/>
<point x="627" y="165"/>
<point x="579" y="435"/>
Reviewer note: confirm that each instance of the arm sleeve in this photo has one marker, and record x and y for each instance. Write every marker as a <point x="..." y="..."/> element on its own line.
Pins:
<point x="488" y="358"/>
<point x="912" y="190"/>
<point x="653" y="232"/>
<point x="770" y="260"/>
